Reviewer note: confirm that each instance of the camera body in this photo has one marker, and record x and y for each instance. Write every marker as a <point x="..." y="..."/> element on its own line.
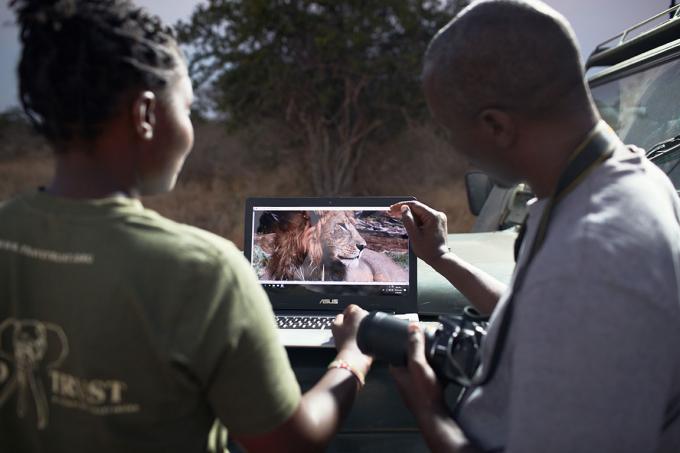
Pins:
<point x="452" y="350"/>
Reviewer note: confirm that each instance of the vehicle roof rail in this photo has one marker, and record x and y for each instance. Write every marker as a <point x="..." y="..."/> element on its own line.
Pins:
<point x="646" y="35"/>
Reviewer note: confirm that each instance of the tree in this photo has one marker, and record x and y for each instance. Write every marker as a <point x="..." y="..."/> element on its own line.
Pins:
<point x="338" y="73"/>
<point x="12" y="116"/>
<point x="458" y="5"/>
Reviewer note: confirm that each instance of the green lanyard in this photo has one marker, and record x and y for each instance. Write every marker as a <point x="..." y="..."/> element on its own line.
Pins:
<point x="595" y="149"/>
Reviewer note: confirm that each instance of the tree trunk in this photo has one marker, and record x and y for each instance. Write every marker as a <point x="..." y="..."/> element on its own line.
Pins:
<point x="332" y="165"/>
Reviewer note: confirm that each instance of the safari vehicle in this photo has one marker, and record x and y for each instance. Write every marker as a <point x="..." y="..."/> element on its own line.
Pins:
<point x="638" y="93"/>
<point x="635" y="81"/>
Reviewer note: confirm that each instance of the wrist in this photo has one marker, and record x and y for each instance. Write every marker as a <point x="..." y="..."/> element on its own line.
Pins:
<point x="441" y="261"/>
<point x="431" y="412"/>
<point x="356" y="359"/>
<point x="341" y="364"/>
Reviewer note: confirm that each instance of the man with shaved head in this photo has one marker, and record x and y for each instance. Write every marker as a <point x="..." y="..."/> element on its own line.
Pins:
<point x="582" y="350"/>
<point x="504" y="61"/>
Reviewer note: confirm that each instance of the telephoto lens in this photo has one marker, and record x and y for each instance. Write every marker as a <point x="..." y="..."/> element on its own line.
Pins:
<point x="385" y="337"/>
<point x="452" y="350"/>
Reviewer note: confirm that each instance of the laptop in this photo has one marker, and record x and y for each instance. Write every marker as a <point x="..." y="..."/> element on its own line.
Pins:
<point x="316" y="256"/>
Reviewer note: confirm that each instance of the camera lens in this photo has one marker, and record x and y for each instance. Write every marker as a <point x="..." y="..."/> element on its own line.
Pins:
<point x="384" y="337"/>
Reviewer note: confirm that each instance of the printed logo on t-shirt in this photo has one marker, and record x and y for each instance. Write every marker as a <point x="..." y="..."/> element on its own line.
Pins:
<point x="30" y="353"/>
<point x="46" y="255"/>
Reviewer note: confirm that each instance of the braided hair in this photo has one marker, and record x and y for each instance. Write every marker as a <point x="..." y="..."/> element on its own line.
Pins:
<point x="81" y="58"/>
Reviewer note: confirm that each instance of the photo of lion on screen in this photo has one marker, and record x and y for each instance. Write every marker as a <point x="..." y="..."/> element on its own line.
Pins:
<point x="340" y="246"/>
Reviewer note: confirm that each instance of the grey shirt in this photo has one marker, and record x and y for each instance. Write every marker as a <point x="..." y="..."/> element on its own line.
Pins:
<point x="592" y="362"/>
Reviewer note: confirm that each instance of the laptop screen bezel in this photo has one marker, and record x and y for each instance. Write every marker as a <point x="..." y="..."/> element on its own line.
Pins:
<point x="407" y="303"/>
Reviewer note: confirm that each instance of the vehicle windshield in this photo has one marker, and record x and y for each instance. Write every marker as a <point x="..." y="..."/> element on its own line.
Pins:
<point x="669" y="162"/>
<point x="643" y="107"/>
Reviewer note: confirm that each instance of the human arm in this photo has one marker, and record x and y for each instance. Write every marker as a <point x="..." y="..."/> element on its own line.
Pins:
<point x="230" y="347"/>
<point x="322" y="409"/>
<point x="427" y="230"/>
<point x="423" y="394"/>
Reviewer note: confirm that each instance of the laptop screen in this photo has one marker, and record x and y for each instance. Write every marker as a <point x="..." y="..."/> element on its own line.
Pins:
<point x="334" y="250"/>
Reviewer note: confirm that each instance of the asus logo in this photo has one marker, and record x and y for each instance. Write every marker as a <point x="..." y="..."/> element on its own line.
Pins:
<point x="328" y="302"/>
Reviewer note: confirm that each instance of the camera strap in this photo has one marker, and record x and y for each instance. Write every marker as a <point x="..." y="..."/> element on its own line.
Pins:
<point x="593" y="151"/>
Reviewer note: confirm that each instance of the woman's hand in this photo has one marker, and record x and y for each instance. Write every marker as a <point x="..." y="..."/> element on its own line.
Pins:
<point x="345" y="328"/>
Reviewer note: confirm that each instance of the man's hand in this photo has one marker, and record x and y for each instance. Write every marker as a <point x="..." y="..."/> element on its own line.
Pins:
<point x="418" y="385"/>
<point x="345" y="329"/>
<point x="428" y="234"/>
<point x="426" y="229"/>
<point x="424" y="396"/>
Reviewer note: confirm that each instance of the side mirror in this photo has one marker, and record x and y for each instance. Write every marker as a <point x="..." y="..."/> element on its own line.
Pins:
<point x="478" y="186"/>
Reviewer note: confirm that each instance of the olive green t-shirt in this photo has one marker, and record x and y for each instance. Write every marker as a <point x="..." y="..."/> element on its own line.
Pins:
<point x="121" y="330"/>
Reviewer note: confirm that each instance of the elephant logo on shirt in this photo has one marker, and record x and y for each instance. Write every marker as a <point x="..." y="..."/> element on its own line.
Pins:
<point x="28" y="348"/>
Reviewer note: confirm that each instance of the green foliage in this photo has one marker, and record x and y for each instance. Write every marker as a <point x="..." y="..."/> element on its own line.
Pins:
<point x="12" y="117"/>
<point x="265" y="57"/>
<point x="398" y="257"/>
<point x="338" y="72"/>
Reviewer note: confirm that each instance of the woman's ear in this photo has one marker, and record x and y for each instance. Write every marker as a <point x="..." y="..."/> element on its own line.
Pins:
<point x="144" y="115"/>
<point x="499" y="127"/>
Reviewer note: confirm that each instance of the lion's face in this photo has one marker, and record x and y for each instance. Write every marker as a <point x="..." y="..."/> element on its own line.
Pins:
<point x="311" y="245"/>
<point x="339" y="237"/>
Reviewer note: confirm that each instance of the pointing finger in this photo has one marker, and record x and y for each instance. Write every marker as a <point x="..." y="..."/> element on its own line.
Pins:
<point x="408" y="221"/>
<point x="418" y="208"/>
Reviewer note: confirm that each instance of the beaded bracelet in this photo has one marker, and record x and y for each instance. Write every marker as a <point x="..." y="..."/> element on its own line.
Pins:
<point x="342" y="364"/>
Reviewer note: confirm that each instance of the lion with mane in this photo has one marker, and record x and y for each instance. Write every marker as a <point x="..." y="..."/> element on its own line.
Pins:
<point x="323" y="246"/>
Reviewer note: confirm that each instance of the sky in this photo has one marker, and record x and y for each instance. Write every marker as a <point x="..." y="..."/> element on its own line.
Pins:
<point x="594" y="21"/>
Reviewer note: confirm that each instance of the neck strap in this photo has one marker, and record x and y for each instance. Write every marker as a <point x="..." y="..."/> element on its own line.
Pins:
<point x="597" y="147"/>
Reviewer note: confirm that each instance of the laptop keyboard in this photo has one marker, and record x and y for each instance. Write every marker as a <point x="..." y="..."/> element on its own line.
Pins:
<point x="304" y="322"/>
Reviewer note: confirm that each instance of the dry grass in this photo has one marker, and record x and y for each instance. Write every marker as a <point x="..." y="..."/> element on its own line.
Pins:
<point x="419" y="163"/>
<point x="24" y="173"/>
<point x="225" y="169"/>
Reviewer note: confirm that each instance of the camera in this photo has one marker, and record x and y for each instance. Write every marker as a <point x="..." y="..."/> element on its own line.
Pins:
<point x="452" y="350"/>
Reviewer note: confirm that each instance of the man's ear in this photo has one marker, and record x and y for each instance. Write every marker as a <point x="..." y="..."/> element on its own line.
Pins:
<point x="500" y="127"/>
<point x="144" y="115"/>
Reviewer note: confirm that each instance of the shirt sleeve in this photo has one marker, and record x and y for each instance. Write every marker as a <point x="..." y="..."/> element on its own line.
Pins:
<point x="246" y="372"/>
<point x="591" y="371"/>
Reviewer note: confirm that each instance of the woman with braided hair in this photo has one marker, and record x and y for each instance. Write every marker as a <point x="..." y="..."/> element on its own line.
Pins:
<point x="151" y="330"/>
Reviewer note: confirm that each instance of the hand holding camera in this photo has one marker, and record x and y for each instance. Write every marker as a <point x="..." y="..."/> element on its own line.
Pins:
<point x="452" y="350"/>
<point x="425" y="361"/>
<point x="345" y="329"/>
<point x="417" y="382"/>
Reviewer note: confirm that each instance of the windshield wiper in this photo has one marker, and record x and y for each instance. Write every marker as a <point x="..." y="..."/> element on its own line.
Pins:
<point x="664" y="147"/>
